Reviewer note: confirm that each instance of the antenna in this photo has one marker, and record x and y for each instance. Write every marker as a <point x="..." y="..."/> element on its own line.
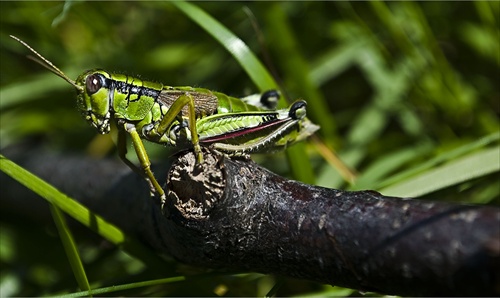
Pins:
<point x="47" y="64"/>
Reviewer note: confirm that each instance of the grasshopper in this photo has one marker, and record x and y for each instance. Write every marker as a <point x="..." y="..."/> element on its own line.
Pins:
<point x="182" y="117"/>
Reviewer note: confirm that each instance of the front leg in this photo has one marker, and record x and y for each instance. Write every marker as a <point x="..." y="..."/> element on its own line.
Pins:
<point x="142" y="156"/>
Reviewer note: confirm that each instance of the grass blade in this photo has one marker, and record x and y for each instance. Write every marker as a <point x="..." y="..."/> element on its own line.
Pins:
<point x="70" y="248"/>
<point x="469" y="167"/>
<point x="60" y="200"/>
<point x="123" y="287"/>
<point x="448" y="156"/>
<point x="240" y="51"/>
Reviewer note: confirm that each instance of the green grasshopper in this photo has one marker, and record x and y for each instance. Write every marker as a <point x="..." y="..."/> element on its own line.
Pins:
<point x="182" y="116"/>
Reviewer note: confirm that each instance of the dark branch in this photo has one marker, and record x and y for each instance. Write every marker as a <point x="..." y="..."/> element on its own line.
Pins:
<point x="233" y="214"/>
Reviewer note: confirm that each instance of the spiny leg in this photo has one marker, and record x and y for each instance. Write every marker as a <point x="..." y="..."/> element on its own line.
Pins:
<point x="173" y="112"/>
<point x="143" y="158"/>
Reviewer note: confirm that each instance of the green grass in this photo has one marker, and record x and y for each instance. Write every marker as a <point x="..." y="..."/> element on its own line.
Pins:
<point x="406" y="95"/>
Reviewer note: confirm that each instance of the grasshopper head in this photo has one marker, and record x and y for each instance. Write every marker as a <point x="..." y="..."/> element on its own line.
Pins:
<point x="94" y="99"/>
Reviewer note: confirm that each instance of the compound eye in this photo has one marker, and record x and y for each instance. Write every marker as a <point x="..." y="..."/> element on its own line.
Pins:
<point x="93" y="84"/>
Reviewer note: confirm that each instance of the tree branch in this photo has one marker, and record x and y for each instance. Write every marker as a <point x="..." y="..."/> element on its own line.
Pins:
<point x="234" y="214"/>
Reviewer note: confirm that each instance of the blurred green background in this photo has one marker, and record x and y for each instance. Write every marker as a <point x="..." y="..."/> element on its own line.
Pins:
<point x="407" y="96"/>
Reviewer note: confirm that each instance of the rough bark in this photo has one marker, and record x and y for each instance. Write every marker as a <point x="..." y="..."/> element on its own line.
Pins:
<point x="234" y="214"/>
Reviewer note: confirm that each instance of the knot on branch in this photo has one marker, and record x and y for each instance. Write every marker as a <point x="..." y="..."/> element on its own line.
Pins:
<point x="194" y="189"/>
